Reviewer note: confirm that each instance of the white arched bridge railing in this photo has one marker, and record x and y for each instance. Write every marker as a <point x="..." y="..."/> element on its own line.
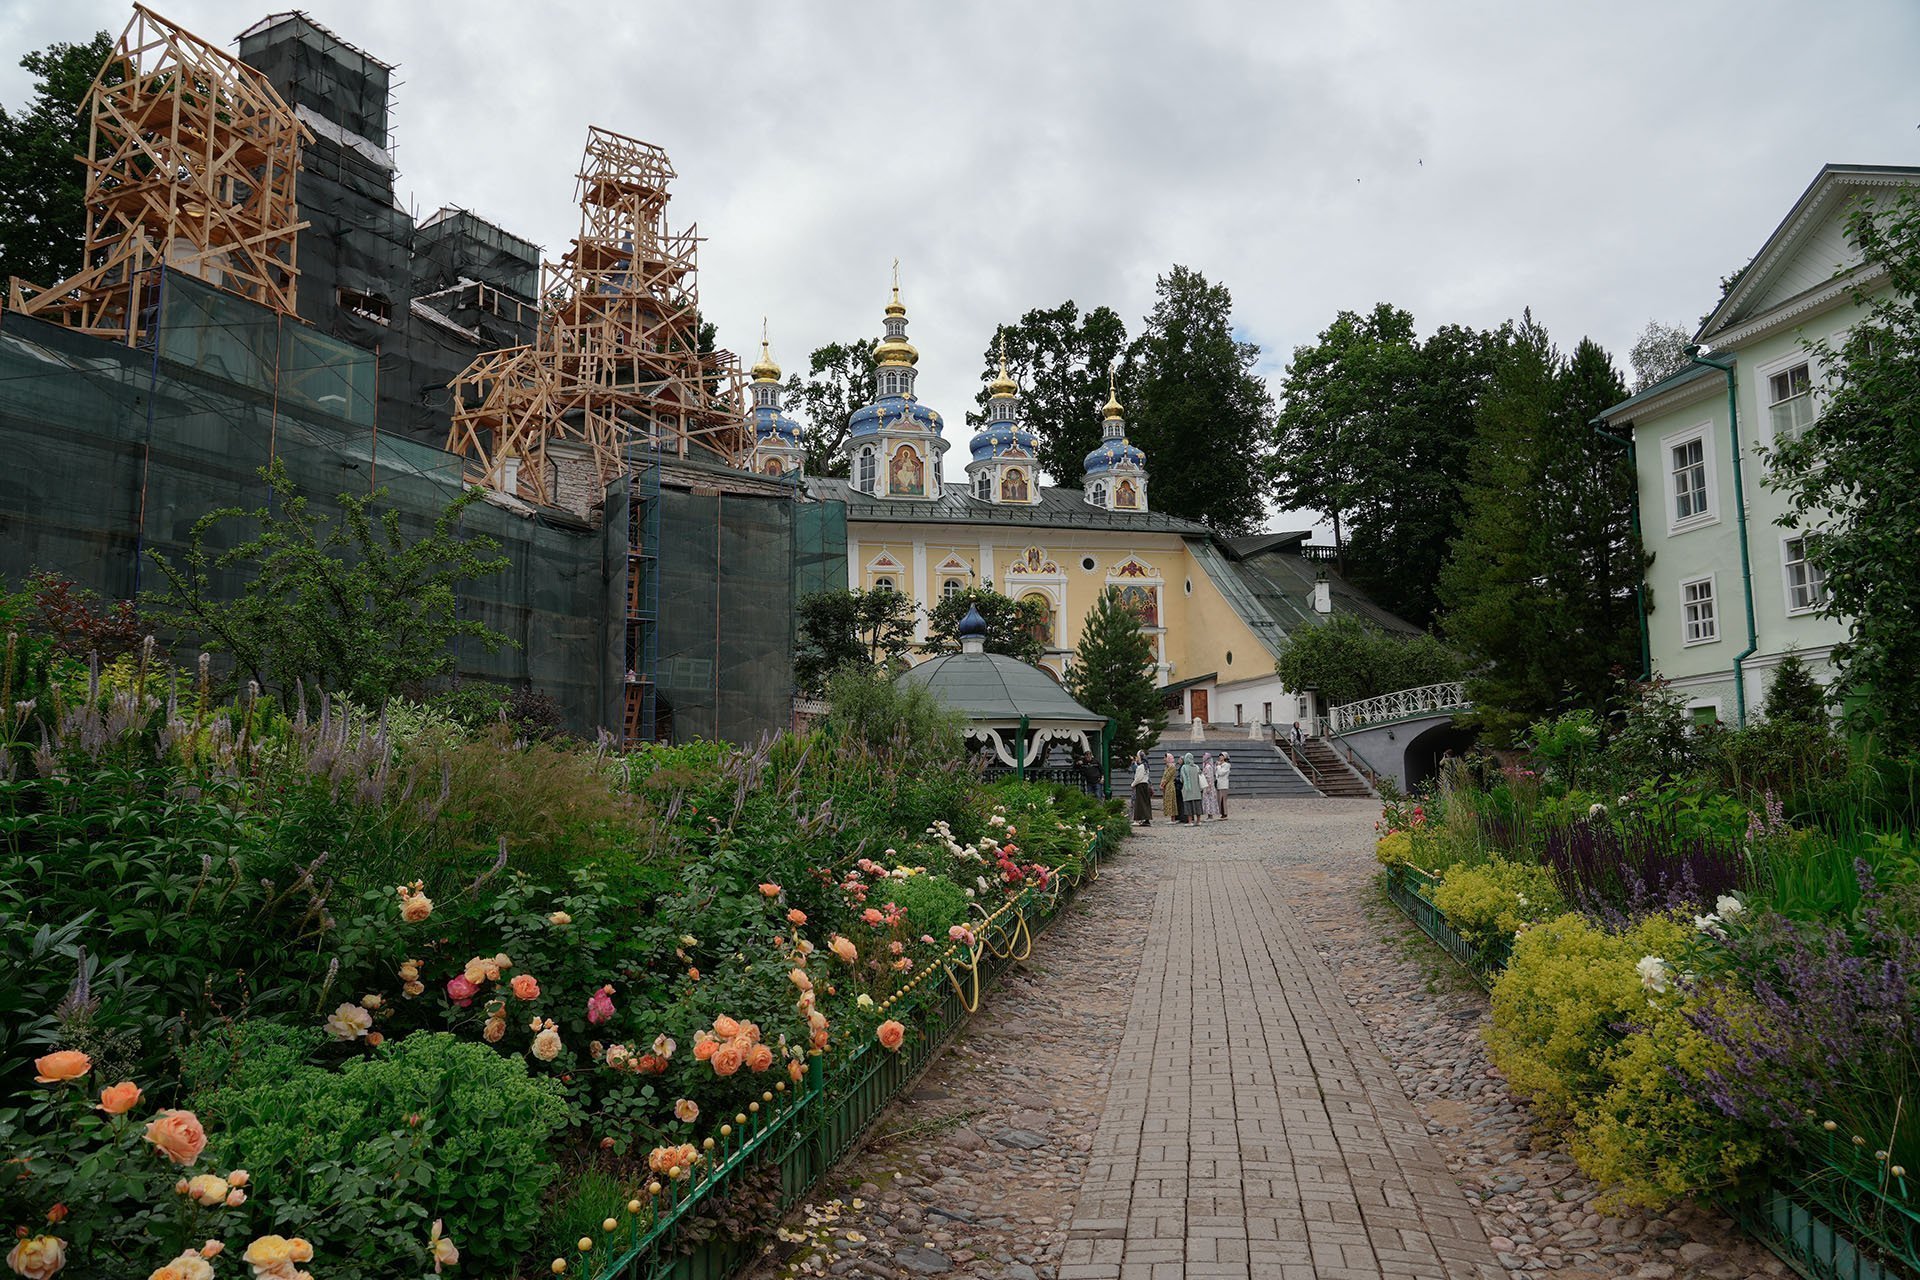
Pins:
<point x="1403" y="704"/>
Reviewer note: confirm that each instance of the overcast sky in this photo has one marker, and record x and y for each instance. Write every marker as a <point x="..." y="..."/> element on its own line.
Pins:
<point x="1603" y="163"/>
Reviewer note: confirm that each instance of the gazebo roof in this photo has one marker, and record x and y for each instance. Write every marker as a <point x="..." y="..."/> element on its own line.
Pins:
<point x="989" y="688"/>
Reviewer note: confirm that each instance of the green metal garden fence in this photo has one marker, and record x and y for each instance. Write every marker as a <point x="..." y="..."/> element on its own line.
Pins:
<point x="1837" y="1213"/>
<point x="775" y="1152"/>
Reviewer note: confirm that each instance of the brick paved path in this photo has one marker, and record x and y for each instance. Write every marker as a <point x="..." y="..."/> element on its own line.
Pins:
<point x="1251" y="1127"/>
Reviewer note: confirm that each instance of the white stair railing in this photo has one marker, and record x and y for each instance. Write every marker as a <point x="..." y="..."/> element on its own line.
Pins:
<point x="1402" y="704"/>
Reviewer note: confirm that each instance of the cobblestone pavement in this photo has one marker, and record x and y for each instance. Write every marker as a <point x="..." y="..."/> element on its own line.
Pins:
<point x="1187" y="1079"/>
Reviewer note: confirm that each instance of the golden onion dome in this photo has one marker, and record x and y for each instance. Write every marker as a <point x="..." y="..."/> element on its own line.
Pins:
<point x="1113" y="409"/>
<point x="1004" y="385"/>
<point x="765" y="370"/>
<point x="896" y="351"/>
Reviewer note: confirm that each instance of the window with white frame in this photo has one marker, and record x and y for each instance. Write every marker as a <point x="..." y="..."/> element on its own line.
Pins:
<point x="883" y="583"/>
<point x="1687" y="463"/>
<point x="1700" y="620"/>
<point x="1097" y="495"/>
<point x="983" y="485"/>
<point x="866" y="469"/>
<point x="951" y="588"/>
<point x="1806" y="585"/>
<point x="1790" y="401"/>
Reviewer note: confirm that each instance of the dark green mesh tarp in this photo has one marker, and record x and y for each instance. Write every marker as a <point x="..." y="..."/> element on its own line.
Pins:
<point x="113" y="450"/>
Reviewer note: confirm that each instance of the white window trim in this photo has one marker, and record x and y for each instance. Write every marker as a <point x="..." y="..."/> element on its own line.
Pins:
<point x="1763" y="386"/>
<point x="1704" y="433"/>
<point x="866" y="454"/>
<point x="1713" y="593"/>
<point x="1786" y="578"/>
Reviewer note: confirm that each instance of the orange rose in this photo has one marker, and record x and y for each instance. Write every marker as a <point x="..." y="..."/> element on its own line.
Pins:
<point x="797" y="1069"/>
<point x="796" y="916"/>
<point x="726" y="1028"/>
<point x="118" y="1099"/>
<point x="844" y="948"/>
<point x="770" y="889"/>
<point x="726" y="1060"/>
<point x="525" y="987"/>
<point x="890" y="1034"/>
<point x="177" y="1135"/>
<point x="704" y="1045"/>
<point x="38" y="1257"/>
<point x="58" y="1068"/>
<point x="760" y="1058"/>
<point x="819" y="1040"/>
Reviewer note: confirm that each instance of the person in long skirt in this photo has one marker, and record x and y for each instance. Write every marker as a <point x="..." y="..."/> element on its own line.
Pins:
<point x="1189" y="790"/>
<point x="1170" y="790"/>
<point x="1209" y="792"/>
<point x="1222" y="772"/>
<point x="1142" y="791"/>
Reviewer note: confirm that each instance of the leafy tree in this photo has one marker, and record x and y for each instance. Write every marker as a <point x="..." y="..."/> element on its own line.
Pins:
<point x="840" y="379"/>
<point x="1014" y="627"/>
<point x="1348" y="658"/>
<point x="1539" y="586"/>
<point x="837" y="630"/>
<point x="1852" y="479"/>
<point x="1060" y="359"/>
<point x="43" y="214"/>
<point x="1375" y="430"/>
<point x="1113" y="672"/>
<point x="346" y="604"/>
<point x="1660" y="350"/>
<point x="1204" y="418"/>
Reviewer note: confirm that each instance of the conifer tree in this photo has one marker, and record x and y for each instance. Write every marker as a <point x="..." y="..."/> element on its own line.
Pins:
<point x="1113" y="675"/>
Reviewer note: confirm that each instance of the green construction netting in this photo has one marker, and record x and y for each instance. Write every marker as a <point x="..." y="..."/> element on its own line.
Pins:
<point x="113" y="451"/>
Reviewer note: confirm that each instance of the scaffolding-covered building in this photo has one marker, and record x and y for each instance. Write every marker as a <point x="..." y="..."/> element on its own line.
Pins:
<point x="236" y="316"/>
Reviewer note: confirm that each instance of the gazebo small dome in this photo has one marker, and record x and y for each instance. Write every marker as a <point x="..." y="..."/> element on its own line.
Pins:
<point x="973" y="624"/>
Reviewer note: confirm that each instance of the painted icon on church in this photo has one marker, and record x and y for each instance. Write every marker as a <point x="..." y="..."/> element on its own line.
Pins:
<point x="1013" y="486"/>
<point x="1126" y="495"/>
<point x="907" y="474"/>
<point x="1142" y="603"/>
<point x="771" y="466"/>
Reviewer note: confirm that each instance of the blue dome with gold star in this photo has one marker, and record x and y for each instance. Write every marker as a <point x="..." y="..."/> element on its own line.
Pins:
<point x="1112" y="453"/>
<point x="997" y="439"/>
<point x="893" y="413"/>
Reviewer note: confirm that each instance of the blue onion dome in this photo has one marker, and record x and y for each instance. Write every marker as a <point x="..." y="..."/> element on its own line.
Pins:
<point x="1114" y="453"/>
<point x="893" y="413"/>
<point x="771" y="423"/>
<point x="973" y="624"/>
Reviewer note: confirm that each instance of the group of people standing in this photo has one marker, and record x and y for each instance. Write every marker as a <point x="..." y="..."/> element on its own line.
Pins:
<point x="1189" y="793"/>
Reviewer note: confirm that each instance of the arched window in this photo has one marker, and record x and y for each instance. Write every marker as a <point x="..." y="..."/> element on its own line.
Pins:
<point x="951" y="588"/>
<point x="1043" y="625"/>
<point x="883" y="583"/>
<point x="866" y="469"/>
<point x="763" y="394"/>
<point x="983" y="485"/>
<point x="1097" y="495"/>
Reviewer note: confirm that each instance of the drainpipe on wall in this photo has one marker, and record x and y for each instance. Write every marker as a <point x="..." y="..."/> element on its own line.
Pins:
<point x="1633" y="515"/>
<point x="1740" y="522"/>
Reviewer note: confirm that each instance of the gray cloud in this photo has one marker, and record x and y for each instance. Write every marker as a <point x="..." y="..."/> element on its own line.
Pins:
<point x="1603" y="164"/>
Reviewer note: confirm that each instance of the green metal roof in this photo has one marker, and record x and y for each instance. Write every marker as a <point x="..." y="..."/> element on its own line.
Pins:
<point x="1678" y="378"/>
<point x="993" y="689"/>
<point x="1057" y="508"/>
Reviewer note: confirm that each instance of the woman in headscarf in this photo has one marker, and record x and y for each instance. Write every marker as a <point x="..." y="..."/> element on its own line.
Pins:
<point x="1170" y="790"/>
<point x="1142" y="791"/>
<point x="1223" y="781"/>
<point x="1189" y="790"/>
<point x="1209" y="794"/>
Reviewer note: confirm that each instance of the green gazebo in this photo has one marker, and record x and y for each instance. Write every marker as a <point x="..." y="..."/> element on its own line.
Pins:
<point x="1014" y="710"/>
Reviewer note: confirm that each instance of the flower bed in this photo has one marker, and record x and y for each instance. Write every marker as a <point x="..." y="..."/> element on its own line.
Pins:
<point x="423" y="995"/>
<point x="1707" y="991"/>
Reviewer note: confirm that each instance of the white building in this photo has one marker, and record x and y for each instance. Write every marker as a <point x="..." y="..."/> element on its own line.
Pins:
<point x="1729" y="589"/>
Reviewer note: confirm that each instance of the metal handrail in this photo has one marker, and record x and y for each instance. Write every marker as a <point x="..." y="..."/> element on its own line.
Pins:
<point x="1402" y="704"/>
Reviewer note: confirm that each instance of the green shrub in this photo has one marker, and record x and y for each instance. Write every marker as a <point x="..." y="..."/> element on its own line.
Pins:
<point x="1394" y="849"/>
<point x="1489" y="903"/>
<point x="1569" y="984"/>
<point x="902" y="722"/>
<point x="362" y="1160"/>
<point x="932" y="903"/>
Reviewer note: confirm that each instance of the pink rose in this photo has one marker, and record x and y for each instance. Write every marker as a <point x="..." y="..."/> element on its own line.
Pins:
<point x="600" y="1005"/>
<point x="461" y="991"/>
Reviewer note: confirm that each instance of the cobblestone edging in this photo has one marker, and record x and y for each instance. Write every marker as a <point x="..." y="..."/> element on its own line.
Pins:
<point x="1536" y="1206"/>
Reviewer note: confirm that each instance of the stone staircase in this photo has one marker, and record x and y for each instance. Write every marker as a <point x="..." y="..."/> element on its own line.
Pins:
<point x="1329" y="771"/>
<point x="1259" y="770"/>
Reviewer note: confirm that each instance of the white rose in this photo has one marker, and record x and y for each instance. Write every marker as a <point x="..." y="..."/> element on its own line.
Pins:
<point x="1655" y="973"/>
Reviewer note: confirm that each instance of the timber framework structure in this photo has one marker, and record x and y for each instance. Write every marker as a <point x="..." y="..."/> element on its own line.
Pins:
<point x="191" y="164"/>
<point x="616" y="375"/>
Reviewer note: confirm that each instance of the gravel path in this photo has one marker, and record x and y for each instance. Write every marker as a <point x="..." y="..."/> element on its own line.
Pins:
<point x="977" y="1173"/>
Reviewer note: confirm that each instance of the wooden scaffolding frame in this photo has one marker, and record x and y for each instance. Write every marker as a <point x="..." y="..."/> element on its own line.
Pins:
<point x="615" y="364"/>
<point x="192" y="159"/>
